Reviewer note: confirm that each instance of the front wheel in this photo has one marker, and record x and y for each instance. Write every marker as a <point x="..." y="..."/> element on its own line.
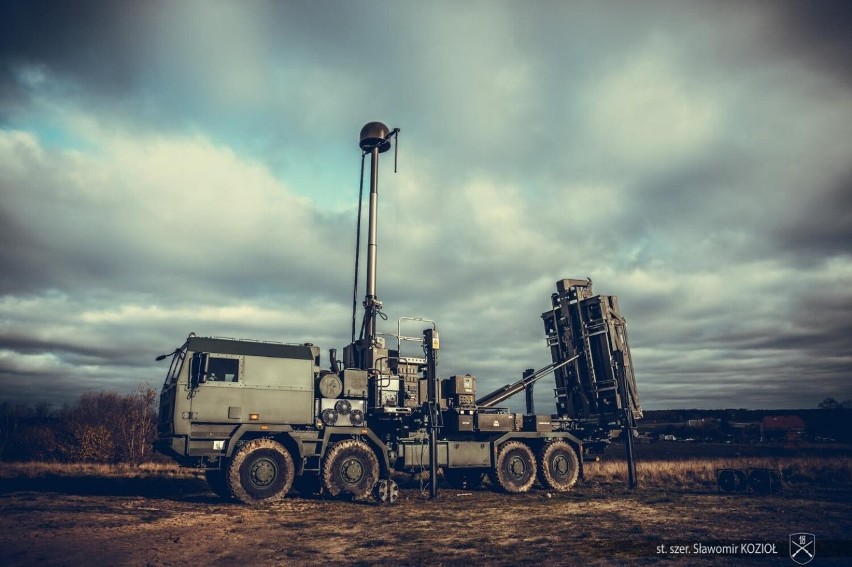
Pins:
<point x="261" y="471"/>
<point x="515" y="469"/>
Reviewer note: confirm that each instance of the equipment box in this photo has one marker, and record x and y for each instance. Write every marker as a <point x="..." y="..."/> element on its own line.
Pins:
<point x="416" y="455"/>
<point x="462" y="400"/>
<point x="354" y="383"/>
<point x="456" y="385"/>
<point x="495" y="421"/>
<point x="411" y="395"/>
<point x="456" y="421"/>
<point x="468" y="454"/>
<point x="538" y="423"/>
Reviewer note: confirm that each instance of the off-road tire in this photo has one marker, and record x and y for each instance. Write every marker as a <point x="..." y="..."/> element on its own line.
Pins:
<point x="764" y="481"/>
<point x="216" y="481"/>
<point x="732" y="480"/>
<point x="261" y="471"/>
<point x="464" y="479"/>
<point x="515" y="470"/>
<point x="350" y="467"/>
<point x="558" y="466"/>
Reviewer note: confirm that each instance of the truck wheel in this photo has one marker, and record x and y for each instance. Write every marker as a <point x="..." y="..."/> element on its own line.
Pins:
<point x="558" y="466"/>
<point x="515" y="469"/>
<point x="217" y="483"/>
<point x="262" y="470"/>
<point x="732" y="480"/>
<point x="386" y="491"/>
<point x="464" y="479"/>
<point x="351" y="467"/>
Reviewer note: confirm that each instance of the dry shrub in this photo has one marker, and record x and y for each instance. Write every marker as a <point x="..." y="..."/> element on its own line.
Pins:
<point x="701" y="473"/>
<point x="92" y="444"/>
<point x="120" y="470"/>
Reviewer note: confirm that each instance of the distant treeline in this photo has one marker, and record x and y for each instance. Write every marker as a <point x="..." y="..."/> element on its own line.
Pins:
<point x="100" y="427"/>
<point x="830" y="419"/>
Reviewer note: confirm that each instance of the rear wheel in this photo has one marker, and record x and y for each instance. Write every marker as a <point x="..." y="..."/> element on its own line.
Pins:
<point x="262" y="470"/>
<point x="350" y="467"/>
<point x="764" y="481"/>
<point x="558" y="466"/>
<point x="217" y="482"/>
<point x="515" y="469"/>
<point x="732" y="480"/>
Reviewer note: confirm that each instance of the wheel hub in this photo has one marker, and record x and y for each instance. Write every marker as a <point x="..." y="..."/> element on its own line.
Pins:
<point x="263" y="472"/>
<point x="517" y="467"/>
<point x="352" y="471"/>
<point x="560" y="465"/>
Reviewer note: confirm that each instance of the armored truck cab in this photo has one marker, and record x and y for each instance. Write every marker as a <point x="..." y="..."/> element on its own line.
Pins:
<point x="216" y="386"/>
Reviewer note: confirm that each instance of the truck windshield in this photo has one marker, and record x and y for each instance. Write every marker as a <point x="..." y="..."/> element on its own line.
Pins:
<point x="177" y="364"/>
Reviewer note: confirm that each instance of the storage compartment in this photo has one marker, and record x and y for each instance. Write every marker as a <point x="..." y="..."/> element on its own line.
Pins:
<point x="416" y="455"/>
<point x="495" y="421"/>
<point x="469" y="454"/>
<point x="538" y="423"/>
<point x="458" y="421"/>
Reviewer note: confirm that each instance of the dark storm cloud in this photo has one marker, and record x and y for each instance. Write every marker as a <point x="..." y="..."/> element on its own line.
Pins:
<point x="819" y="32"/>
<point x="93" y="44"/>
<point x="21" y="257"/>
<point x="823" y="225"/>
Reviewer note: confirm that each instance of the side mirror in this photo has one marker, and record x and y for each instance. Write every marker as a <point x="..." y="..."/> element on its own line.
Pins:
<point x="198" y="369"/>
<point x="165" y="356"/>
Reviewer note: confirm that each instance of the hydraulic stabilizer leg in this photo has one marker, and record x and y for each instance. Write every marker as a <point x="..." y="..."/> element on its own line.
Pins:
<point x="631" y="460"/>
<point x="629" y="426"/>
<point x="432" y="344"/>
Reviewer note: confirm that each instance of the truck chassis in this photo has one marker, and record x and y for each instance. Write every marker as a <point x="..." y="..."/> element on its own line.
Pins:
<point x="262" y="417"/>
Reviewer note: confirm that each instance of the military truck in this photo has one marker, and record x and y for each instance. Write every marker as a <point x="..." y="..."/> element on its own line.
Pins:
<point x="259" y="416"/>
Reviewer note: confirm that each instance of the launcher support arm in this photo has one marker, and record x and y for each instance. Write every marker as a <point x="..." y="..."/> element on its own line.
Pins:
<point x="506" y="392"/>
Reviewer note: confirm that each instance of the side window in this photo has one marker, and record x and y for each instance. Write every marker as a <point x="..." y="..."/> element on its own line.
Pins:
<point x="223" y="369"/>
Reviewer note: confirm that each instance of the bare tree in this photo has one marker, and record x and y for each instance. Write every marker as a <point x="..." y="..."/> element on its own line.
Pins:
<point x="138" y="424"/>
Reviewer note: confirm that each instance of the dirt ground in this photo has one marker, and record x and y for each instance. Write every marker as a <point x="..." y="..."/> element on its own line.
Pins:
<point x="175" y="520"/>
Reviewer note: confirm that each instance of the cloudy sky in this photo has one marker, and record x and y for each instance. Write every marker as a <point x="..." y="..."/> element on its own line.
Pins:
<point x="168" y="167"/>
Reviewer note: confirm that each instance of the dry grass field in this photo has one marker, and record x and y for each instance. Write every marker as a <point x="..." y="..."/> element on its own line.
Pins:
<point x="160" y="515"/>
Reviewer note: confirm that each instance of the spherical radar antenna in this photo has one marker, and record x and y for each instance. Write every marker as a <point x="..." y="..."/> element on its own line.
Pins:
<point x="375" y="134"/>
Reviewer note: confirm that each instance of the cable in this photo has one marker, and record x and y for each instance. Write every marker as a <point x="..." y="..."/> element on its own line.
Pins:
<point x="357" y="247"/>
<point x="395" y="147"/>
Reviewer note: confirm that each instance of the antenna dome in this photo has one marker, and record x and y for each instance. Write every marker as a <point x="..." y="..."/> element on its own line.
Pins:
<point x="373" y="134"/>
